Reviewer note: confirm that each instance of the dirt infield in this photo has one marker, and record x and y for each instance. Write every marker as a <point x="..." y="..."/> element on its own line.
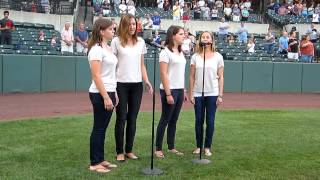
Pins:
<point x="22" y="106"/>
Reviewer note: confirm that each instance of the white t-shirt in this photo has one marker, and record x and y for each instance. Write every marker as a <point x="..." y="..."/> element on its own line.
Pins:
<point x="227" y="11"/>
<point x="129" y="60"/>
<point x="131" y="10"/>
<point x="251" y="48"/>
<point x="108" y="68"/>
<point x="211" y="85"/>
<point x="160" y="4"/>
<point x="176" y="68"/>
<point x="122" y="8"/>
<point x="186" y="45"/>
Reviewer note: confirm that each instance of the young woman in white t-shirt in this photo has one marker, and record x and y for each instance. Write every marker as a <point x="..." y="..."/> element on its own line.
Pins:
<point x="213" y="88"/>
<point x="102" y="91"/>
<point x="130" y="50"/>
<point x="172" y="72"/>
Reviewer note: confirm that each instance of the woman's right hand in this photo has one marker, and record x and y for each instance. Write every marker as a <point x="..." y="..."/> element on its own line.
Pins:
<point x="170" y="99"/>
<point x="191" y="98"/>
<point x="108" y="103"/>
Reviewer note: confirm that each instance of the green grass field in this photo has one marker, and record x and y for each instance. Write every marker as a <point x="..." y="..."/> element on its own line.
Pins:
<point x="248" y="144"/>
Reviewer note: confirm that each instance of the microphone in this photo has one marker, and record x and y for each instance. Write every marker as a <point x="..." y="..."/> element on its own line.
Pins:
<point x="204" y="43"/>
<point x="154" y="44"/>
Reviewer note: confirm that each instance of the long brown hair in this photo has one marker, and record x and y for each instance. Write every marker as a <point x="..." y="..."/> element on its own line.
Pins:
<point x="123" y="30"/>
<point x="199" y="49"/>
<point x="99" y="25"/>
<point x="173" y="30"/>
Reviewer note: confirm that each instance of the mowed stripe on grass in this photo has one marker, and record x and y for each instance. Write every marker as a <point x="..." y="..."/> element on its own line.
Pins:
<point x="248" y="144"/>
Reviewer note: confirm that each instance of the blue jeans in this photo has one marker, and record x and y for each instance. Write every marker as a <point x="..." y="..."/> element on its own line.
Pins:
<point x="169" y="117"/>
<point x="101" y="119"/>
<point x="269" y="47"/>
<point x="306" y="58"/>
<point x="210" y="108"/>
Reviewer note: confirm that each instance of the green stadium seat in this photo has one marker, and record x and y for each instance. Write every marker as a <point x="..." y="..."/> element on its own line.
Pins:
<point x="7" y="51"/>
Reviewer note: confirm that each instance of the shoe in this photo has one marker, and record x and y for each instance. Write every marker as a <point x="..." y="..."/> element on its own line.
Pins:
<point x="120" y="158"/>
<point x="108" y="164"/>
<point x="99" y="169"/>
<point x="196" y="151"/>
<point x="174" y="151"/>
<point x="207" y="152"/>
<point x="131" y="156"/>
<point x="159" y="154"/>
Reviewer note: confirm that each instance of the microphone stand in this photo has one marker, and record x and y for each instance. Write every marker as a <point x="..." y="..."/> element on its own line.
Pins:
<point x="152" y="170"/>
<point x="200" y="160"/>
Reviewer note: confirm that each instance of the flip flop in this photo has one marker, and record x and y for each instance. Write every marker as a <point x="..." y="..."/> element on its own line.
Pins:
<point x="133" y="157"/>
<point x="108" y="164"/>
<point x="159" y="154"/>
<point x="174" y="151"/>
<point x="99" y="169"/>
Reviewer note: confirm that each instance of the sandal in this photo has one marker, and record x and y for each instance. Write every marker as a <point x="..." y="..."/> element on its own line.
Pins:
<point x="120" y="158"/>
<point x="131" y="156"/>
<point x="159" y="154"/>
<point x="99" y="169"/>
<point x="174" y="151"/>
<point x="108" y="164"/>
<point x="196" y="151"/>
<point x="207" y="152"/>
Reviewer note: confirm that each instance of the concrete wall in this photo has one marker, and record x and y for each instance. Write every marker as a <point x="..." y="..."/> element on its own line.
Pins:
<point x="211" y="26"/>
<point x="54" y="19"/>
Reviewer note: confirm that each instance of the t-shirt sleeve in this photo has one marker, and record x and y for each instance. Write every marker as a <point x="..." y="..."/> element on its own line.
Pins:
<point x="144" y="48"/>
<point x="164" y="57"/>
<point x="193" y="60"/>
<point x="95" y="53"/>
<point x="114" y="46"/>
<point x="220" y="61"/>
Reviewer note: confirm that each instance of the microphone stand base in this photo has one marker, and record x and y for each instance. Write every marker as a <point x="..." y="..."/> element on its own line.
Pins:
<point x="201" y="161"/>
<point x="152" y="172"/>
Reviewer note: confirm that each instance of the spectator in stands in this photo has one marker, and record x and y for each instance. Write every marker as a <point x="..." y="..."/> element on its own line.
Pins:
<point x="196" y="12"/>
<point x="131" y="8"/>
<point x="6" y="26"/>
<point x="45" y="4"/>
<point x="187" y="44"/>
<point x="156" y="21"/>
<point x="102" y="91"/>
<point x="186" y="14"/>
<point x="97" y="8"/>
<point x="54" y="40"/>
<point x="236" y="13"/>
<point x="176" y="11"/>
<point x="304" y="11"/>
<point x="311" y="10"/>
<point x="210" y="3"/>
<point x="294" y="29"/>
<point x="106" y="8"/>
<point x="160" y="4"/>
<point x="283" y="43"/>
<point x="313" y="33"/>
<point x="206" y="12"/>
<point x="166" y="5"/>
<point x="250" y="46"/>
<point x="214" y="80"/>
<point x="131" y="71"/>
<point x="114" y="24"/>
<point x="242" y="34"/>
<point x="81" y="37"/>
<point x="214" y="13"/>
<point x="231" y="40"/>
<point x="123" y="7"/>
<point x="227" y="12"/>
<point x="147" y="23"/>
<point x="306" y="49"/>
<point x="293" y="52"/>
<point x="297" y="8"/>
<point x="317" y="9"/>
<point x="41" y="35"/>
<point x="157" y="37"/>
<point x="219" y="5"/>
<point x="223" y="30"/>
<point x="244" y="14"/>
<point x="270" y="41"/>
<point x="67" y="38"/>
<point x="139" y="27"/>
<point x="282" y="10"/>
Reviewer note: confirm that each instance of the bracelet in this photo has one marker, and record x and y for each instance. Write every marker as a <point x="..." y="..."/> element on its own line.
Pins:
<point x="168" y="95"/>
<point x="220" y="96"/>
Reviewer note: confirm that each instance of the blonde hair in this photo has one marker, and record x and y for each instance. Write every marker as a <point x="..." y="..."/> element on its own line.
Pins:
<point x="199" y="48"/>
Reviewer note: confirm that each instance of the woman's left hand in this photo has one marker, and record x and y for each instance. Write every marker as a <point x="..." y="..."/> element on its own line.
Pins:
<point x="219" y="101"/>
<point x="149" y="87"/>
